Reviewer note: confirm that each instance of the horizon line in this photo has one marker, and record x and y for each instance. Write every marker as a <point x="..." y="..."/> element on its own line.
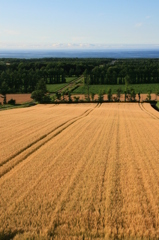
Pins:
<point x="83" y="49"/>
<point x="77" y="47"/>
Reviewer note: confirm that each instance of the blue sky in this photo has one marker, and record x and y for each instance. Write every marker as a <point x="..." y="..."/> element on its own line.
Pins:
<point x="78" y="24"/>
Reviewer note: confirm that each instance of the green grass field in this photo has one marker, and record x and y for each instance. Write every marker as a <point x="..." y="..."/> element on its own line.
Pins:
<point x="69" y="79"/>
<point x="157" y="105"/>
<point x="142" y="88"/>
<point x="55" y="87"/>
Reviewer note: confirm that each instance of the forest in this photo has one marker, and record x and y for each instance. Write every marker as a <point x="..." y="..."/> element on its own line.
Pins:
<point x="22" y="75"/>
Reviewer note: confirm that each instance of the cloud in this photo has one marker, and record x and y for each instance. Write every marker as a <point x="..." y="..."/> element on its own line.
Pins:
<point x="138" y="25"/>
<point x="75" y="46"/>
<point x="55" y="46"/>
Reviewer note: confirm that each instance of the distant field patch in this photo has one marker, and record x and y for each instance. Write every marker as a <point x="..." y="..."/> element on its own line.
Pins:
<point x="142" y="88"/>
<point x="19" y="98"/>
<point x="69" y="79"/>
<point x="55" y="87"/>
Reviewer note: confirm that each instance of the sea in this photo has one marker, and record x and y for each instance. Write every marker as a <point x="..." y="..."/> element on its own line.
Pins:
<point x="113" y="53"/>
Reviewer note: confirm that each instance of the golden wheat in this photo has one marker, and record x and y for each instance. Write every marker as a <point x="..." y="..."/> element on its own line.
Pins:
<point x="95" y="173"/>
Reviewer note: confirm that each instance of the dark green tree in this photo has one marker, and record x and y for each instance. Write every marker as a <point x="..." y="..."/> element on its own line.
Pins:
<point x="40" y="92"/>
<point x="139" y="96"/>
<point x="132" y="94"/>
<point x="125" y="94"/>
<point x="148" y="96"/>
<point x="69" y="97"/>
<point x="101" y="96"/>
<point x="41" y="85"/>
<point x="157" y="93"/>
<point x="109" y="94"/>
<point x="92" y="96"/>
<point x="119" y="91"/>
<point x="4" y="89"/>
<point x="87" y="83"/>
<point x="58" y="95"/>
<point x="127" y="80"/>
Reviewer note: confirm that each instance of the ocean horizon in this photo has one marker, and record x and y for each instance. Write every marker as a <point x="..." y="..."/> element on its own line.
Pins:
<point x="105" y="53"/>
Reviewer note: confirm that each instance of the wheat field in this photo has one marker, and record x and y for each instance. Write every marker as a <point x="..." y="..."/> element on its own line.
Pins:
<point x="80" y="171"/>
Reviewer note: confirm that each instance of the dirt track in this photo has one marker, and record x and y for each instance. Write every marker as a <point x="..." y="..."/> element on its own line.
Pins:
<point x="80" y="171"/>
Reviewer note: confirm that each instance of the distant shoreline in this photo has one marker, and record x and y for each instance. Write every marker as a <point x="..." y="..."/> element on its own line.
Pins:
<point x="111" y="53"/>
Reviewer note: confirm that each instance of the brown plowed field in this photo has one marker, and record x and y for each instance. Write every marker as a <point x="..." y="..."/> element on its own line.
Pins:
<point x="19" y="98"/>
<point x="83" y="171"/>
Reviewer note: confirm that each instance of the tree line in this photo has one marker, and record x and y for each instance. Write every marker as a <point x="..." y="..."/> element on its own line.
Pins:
<point x="138" y="72"/>
<point x="22" y="75"/>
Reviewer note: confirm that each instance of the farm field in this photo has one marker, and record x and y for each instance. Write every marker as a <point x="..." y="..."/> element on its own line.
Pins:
<point x="142" y="88"/>
<point x="20" y="98"/>
<point x="80" y="171"/>
<point x="55" y="87"/>
<point x="69" y="79"/>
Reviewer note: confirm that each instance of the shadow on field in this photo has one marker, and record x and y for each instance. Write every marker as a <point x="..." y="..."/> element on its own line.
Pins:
<point x="9" y="235"/>
<point x="154" y="105"/>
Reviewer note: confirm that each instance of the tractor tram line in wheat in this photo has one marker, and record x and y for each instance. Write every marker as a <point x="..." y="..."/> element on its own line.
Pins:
<point x="80" y="171"/>
<point x="21" y="155"/>
<point x="148" y="111"/>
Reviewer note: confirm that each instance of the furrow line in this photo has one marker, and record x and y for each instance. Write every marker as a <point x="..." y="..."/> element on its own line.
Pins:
<point x="136" y="188"/>
<point x="114" y="219"/>
<point x="142" y="169"/>
<point x="46" y="169"/>
<point x="148" y="163"/>
<point x="104" y="177"/>
<point x="32" y="143"/>
<point x="42" y="137"/>
<point x="17" y="158"/>
<point x="150" y="134"/>
<point x="150" y="114"/>
<point x="36" y="128"/>
<point x="75" y="184"/>
<point x="76" y="189"/>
